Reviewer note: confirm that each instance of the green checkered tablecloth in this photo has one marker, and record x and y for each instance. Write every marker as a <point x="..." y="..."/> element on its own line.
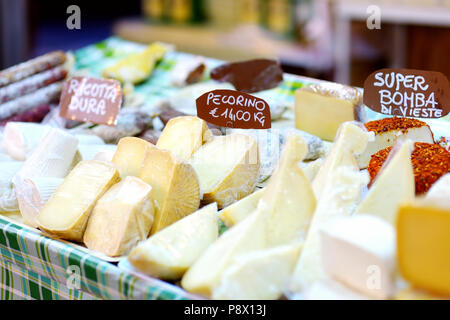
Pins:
<point x="36" y="267"/>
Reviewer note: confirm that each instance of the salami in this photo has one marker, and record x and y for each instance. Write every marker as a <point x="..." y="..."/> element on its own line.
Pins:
<point x="32" y="84"/>
<point x="31" y="67"/>
<point x="34" y="115"/>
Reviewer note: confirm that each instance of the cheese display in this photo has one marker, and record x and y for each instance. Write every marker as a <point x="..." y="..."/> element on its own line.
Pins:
<point x="67" y="211"/>
<point x="170" y="252"/>
<point x="258" y="275"/>
<point x="227" y="168"/>
<point x="339" y="103"/>
<point x="129" y="156"/>
<point x="360" y="252"/>
<point x="183" y="136"/>
<point x="241" y="209"/>
<point x="392" y="185"/>
<point x="389" y="130"/>
<point x="423" y="247"/>
<point x="176" y="187"/>
<point x="121" y="218"/>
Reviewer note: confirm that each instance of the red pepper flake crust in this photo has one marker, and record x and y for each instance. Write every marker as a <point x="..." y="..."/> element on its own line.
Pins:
<point x="395" y="123"/>
<point x="430" y="162"/>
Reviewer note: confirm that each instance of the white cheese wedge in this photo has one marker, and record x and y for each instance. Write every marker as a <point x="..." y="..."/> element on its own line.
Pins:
<point x="288" y="200"/>
<point x="67" y="211"/>
<point x="359" y="251"/>
<point x="184" y="135"/>
<point x="21" y="138"/>
<point x="90" y="151"/>
<point x="390" y="138"/>
<point x="169" y="253"/>
<point x="176" y="187"/>
<point x="258" y="275"/>
<point x="205" y="274"/>
<point x="440" y="189"/>
<point x="340" y="198"/>
<point x="329" y="289"/>
<point x="393" y="184"/>
<point x="241" y="209"/>
<point x="310" y="169"/>
<point x="351" y="140"/>
<point x="121" y="218"/>
<point x="227" y="168"/>
<point x="105" y="155"/>
<point x="129" y="156"/>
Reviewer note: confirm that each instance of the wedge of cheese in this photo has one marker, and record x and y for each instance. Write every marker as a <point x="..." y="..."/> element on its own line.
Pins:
<point x="359" y="251"/>
<point x="129" y="156"/>
<point x="310" y="169"/>
<point x="176" y="188"/>
<point x="392" y="185"/>
<point x="321" y="109"/>
<point x="258" y="275"/>
<point x="184" y="135"/>
<point x="351" y="140"/>
<point x="241" y="209"/>
<point x="205" y="274"/>
<point x="67" y="211"/>
<point x="288" y="200"/>
<point x="121" y="218"/>
<point x="440" y="189"/>
<point x="423" y="244"/>
<point x="340" y="198"/>
<point x="169" y="253"/>
<point x="227" y="168"/>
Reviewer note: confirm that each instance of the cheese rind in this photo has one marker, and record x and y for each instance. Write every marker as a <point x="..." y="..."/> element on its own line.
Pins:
<point x="176" y="188"/>
<point x="67" y="211"/>
<point x="360" y="252"/>
<point x="121" y="218"/>
<point x="169" y="253"/>
<point x="129" y="156"/>
<point x="423" y="244"/>
<point x="258" y="275"/>
<point x="241" y="209"/>
<point x="227" y="168"/>
<point x="184" y="135"/>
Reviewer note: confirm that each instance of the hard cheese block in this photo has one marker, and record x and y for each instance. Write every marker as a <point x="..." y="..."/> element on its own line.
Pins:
<point x="205" y="274"/>
<point x="392" y="185"/>
<point x="169" y="253"/>
<point x="67" y="211"/>
<point x="176" y="189"/>
<point x="423" y="244"/>
<point x="241" y="209"/>
<point x="321" y="109"/>
<point x="360" y="252"/>
<point x="129" y="156"/>
<point x="184" y="135"/>
<point x="258" y="275"/>
<point x="121" y="218"/>
<point x="227" y="168"/>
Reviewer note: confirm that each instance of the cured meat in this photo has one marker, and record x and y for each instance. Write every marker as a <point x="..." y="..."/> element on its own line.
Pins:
<point x="36" y="114"/>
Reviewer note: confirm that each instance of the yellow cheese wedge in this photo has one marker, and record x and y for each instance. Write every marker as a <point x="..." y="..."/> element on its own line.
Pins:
<point x="67" y="211"/>
<point x="412" y="293"/>
<point x="169" y="253"/>
<point x="288" y="200"/>
<point x="227" y="168"/>
<point x="423" y="244"/>
<point x="136" y="67"/>
<point x="176" y="189"/>
<point x="241" y="209"/>
<point x="321" y="109"/>
<point x="393" y="184"/>
<point x="184" y="135"/>
<point x="206" y="272"/>
<point x="258" y="275"/>
<point x="129" y="156"/>
<point x="121" y="218"/>
<point x="351" y="140"/>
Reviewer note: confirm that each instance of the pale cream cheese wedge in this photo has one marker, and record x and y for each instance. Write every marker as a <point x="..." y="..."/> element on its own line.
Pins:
<point x="258" y="275"/>
<point x="440" y="189"/>
<point x="227" y="168"/>
<point x="393" y="184"/>
<point x="241" y="209"/>
<point x="169" y="253"/>
<point x="121" y="218"/>
<point x="129" y="156"/>
<point x="184" y="135"/>
<point x="67" y="211"/>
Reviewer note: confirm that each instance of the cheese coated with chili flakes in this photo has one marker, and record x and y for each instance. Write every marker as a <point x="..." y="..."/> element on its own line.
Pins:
<point x="395" y="123"/>
<point x="430" y="162"/>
